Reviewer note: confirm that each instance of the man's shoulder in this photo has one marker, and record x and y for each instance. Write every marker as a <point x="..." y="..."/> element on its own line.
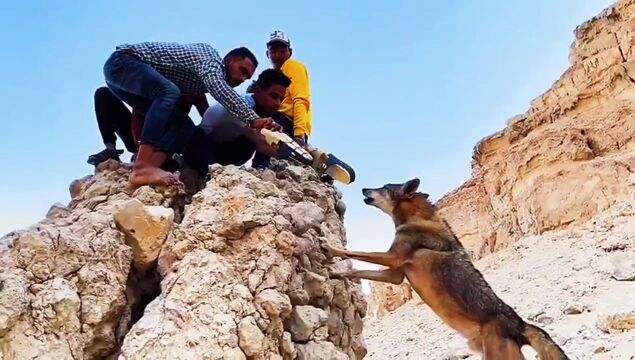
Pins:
<point x="293" y="65"/>
<point x="219" y="110"/>
<point x="169" y="45"/>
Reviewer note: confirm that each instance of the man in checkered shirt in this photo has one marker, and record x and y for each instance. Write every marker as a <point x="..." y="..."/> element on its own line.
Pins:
<point x="151" y="77"/>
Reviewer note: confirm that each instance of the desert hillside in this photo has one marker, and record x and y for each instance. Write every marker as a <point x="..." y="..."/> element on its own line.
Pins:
<point x="569" y="158"/>
<point x="578" y="284"/>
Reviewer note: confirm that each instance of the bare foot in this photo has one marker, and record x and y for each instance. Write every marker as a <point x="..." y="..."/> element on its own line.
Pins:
<point x="151" y="176"/>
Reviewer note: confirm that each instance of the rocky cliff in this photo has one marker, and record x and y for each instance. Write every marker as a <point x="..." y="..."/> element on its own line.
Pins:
<point x="234" y="272"/>
<point x="385" y="298"/>
<point x="570" y="157"/>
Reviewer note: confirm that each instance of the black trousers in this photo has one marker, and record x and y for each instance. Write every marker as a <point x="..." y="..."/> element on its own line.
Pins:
<point x="113" y="119"/>
<point x="201" y="150"/>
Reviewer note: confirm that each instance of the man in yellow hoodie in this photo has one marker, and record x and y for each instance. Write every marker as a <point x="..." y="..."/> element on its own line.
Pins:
<point x="297" y="102"/>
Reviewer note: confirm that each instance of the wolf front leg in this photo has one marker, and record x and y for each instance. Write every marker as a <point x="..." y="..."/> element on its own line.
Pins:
<point x="392" y="276"/>
<point x="388" y="259"/>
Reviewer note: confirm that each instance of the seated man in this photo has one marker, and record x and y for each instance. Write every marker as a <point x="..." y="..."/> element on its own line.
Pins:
<point x="297" y="106"/>
<point x="114" y="119"/>
<point x="220" y="138"/>
<point x="297" y="103"/>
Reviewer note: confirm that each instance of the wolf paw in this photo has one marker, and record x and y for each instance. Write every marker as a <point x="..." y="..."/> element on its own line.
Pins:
<point x="331" y="250"/>
<point x="339" y="274"/>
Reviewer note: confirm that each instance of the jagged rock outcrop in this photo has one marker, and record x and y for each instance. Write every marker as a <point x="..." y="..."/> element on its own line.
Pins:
<point x="569" y="157"/>
<point x="63" y="282"/>
<point x="385" y="298"/>
<point x="233" y="272"/>
<point x="244" y="276"/>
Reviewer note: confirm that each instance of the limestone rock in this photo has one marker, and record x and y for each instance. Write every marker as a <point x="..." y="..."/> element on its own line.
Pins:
<point x="234" y="354"/>
<point x="146" y="228"/>
<point x="288" y="347"/>
<point x="57" y="210"/>
<point x="273" y="304"/>
<point x="63" y="280"/>
<point x="250" y="338"/>
<point x="304" y="216"/>
<point x="234" y="268"/>
<point x="322" y="350"/>
<point x="305" y="319"/>
<point x="574" y="309"/>
<point x="231" y="262"/>
<point x="14" y="298"/>
<point x="386" y="298"/>
<point x="616" y="323"/>
<point x="623" y="267"/>
<point x="565" y="160"/>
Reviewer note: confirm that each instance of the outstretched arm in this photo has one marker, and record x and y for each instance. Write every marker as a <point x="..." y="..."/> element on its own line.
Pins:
<point x="260" y="142"/>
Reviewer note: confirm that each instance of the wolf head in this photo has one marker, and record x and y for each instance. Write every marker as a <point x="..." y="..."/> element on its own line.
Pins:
<point x="399" y="200"/>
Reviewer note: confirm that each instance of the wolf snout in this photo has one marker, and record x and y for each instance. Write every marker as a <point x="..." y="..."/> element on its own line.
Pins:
<point x="368" y="196"/>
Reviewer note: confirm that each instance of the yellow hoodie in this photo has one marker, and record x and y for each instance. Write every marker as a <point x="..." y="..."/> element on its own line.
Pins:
<point x="297" y="101"/>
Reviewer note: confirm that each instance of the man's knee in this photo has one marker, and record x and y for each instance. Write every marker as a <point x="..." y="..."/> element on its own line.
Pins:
<point x="169" y="91"/>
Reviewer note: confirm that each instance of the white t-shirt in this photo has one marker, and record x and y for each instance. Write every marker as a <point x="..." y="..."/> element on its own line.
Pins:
<point x="222" y="125"/>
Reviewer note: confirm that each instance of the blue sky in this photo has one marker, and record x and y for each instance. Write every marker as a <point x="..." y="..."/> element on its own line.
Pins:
<point x="400" y="89"/>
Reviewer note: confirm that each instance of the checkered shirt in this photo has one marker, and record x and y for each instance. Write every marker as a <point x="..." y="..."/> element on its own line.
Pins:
<point x="195" y="69"/>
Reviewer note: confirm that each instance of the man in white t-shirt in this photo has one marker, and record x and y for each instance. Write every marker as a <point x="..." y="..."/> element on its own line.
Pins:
<point x="221" y="138"/>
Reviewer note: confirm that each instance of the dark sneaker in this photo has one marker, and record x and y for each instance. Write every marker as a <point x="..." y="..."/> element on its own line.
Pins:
<point x="104" y="155"/>
<point x="339" y="170"/>
<point x="331" y="168"/>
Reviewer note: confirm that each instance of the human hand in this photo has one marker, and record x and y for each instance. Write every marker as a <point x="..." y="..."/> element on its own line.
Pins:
<point x="266" y="123"/>
<point x="300" y="141"/>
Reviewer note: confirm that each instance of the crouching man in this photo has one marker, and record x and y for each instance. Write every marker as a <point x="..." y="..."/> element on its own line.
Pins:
<point x="221" y="138"/>
<point x="152" y="76"/>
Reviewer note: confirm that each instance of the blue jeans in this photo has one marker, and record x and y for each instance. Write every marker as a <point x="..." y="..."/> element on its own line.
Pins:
<point x="146" y="90"/>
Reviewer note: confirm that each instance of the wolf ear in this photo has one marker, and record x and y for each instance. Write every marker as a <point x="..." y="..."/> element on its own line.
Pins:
<point x="409" y="189"/>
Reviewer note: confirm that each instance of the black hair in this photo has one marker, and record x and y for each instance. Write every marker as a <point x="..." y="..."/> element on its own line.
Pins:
<point x="272" y="76"/>
<point x="242" y="52"/>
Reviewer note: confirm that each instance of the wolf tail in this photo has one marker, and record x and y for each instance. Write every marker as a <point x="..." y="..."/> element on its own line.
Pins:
<point x="546" y="348"/>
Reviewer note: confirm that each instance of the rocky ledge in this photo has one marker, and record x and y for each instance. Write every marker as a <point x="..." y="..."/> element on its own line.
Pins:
<point x="234" y="271"/>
